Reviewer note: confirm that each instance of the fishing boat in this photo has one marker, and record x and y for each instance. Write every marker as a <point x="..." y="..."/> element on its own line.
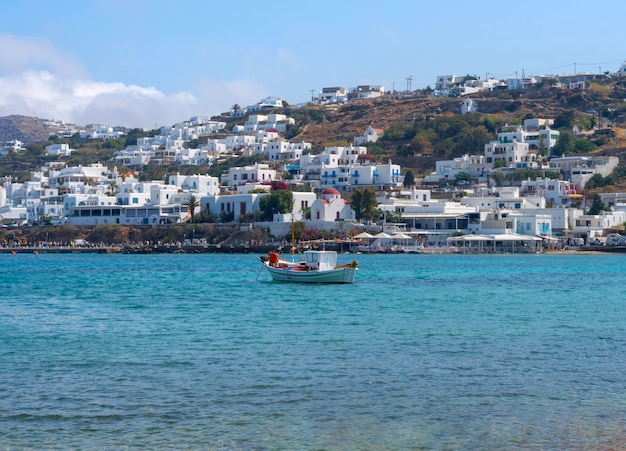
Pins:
<point x="315" y="267"/>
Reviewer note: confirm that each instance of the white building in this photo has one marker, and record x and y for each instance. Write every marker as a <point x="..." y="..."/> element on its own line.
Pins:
<point x="468" y="106"/>
<point x="536" y="132"/>
<point x="285" y="151"/>
<point x="232" y="207"/>
<point x="579" y="169"/>
<point x="62" y="150"/>
<point x="502" y="198"/>
<point x="522" y="82"/>
<point x="248" y="174"/>
<point x="100" y="132"/>
<point x="371" y="135"/>
<point x="513" y="154"/>
<point x="203" y="185"/>
<point x="589" y="226"/>
<point x="447" y="170"/>
<point x="11" y="146"/>
<point x="558" y="192"/>
<point x="333" y="95"/>
<point x="448" y="81"/>
<point x="67" y="178"/>
<point x="331" y="207"/>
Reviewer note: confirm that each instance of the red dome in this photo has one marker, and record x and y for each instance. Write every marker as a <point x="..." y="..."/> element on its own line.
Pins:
<point x="330" y="191"/>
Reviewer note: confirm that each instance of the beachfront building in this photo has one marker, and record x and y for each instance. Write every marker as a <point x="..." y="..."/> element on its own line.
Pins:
<point x="29" y="201"/>
<point x="331" y="207"/>
<point x="431" y="221"/>
<point x="234" y="207"/>
<point x="591" y="226"/>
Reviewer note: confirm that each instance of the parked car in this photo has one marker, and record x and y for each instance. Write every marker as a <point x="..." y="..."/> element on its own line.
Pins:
<point x="597" y="241"/>
<point x="614" y="239"/>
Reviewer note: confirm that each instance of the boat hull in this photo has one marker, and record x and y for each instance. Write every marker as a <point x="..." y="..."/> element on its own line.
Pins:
<point x="338" y="275"/>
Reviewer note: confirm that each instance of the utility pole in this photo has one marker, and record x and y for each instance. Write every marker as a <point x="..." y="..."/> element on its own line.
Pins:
<point x="312" y="98"/>
<point x="409" y="79"/>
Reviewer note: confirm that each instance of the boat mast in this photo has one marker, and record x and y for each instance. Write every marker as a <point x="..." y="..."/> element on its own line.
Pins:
<point x="293" y="234"/>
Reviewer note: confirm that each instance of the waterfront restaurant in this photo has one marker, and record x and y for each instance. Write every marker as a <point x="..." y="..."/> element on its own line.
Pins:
<point x="503" y="243"/>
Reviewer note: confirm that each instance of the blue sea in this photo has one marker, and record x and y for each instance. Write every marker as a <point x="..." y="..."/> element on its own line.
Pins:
<point x="204" y="352"/>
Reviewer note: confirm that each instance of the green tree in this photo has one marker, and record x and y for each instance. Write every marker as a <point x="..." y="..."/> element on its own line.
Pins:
<point x="279" y="201"/>
<point x="565" y="119"/>
<point x="565" y="144"/>
<point x="498" y="178"/>
<point x="597" y="206"/>
<point x="463" y="177"/>
<point x="409" y="179"/>
<point x="364" y="203"/>
<point x="192" y="203"/>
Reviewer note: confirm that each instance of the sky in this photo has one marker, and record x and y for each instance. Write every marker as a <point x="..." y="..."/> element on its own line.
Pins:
<point x="148" y="63"/>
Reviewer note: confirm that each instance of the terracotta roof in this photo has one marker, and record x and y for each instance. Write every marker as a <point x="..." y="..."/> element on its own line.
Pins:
<point x="330" y="191"/>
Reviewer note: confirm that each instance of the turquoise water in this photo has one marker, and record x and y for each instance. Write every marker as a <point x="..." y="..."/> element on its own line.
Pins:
<point x="422" y="352"/>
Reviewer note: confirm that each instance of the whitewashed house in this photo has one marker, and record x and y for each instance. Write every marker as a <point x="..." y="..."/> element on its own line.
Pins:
<point x="590" y="226"/>
<point x="285" y="151"/>
<point x="366" y="92"/>
<point x="100" y="132"/>
<point x="248" y="174"/>
<point x="202" y="185"/>
<point x="468" y="106"/>
<point x="11" y="146"/>
<point x="331" y="207"/>
<point x="333" y="95"/>
<point x="559" y="192"/>
<point x="579" y="169"/>
<point x="515" y="154"/>
<point x="447" y="170"/>
<point x="536" y="132"/>
<point x="371" y="135"/>
<point x="61" y="150"/>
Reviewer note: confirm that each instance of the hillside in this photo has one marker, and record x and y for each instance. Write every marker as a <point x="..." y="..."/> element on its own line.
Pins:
<point x="339" y="124"/>
<point x="24" y="128"/>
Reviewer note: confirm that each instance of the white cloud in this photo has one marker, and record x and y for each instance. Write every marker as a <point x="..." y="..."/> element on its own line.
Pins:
<point x="38" y="80"/>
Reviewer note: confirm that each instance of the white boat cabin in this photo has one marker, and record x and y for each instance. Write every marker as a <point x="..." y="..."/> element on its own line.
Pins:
<point x="321" y="260"/>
